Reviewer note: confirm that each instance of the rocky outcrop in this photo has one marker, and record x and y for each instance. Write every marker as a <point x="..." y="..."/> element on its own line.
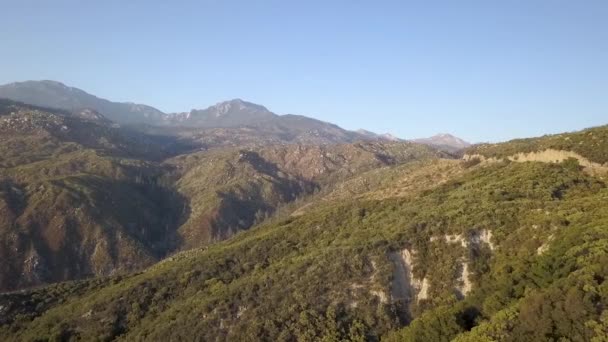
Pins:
<point x="370" y="285"/>
<point x="464" y="284"/>
<point x="546" y="156"/>
<point x="473" y="239"/>
<point x="483" y="236"/>
<point x="545" y="246"/>
<point x="405" y="286"/>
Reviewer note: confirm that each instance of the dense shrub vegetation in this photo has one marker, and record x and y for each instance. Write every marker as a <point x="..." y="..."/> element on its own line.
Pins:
<point x="324" y="267"/>
<point x="590" y="143"/>
<point x="81" y="197"/>
<point x="315" y="276"/>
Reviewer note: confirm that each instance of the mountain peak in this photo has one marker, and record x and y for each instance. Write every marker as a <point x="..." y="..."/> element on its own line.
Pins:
<point x="231" y="113"/>
<point x="444" y="141"/>
<point x="221" y="108"/>
<point x="51" y="83"/>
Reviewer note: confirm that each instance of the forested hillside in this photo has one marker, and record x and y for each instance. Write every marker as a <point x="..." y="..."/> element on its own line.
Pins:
<point x="81" y="196"/>
<point x="432" y="250"/>
<point x="589" y="144"/>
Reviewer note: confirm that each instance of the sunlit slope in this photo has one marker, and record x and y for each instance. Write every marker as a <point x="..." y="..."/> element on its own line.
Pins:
<point x="231" y="189"/>
<point x="522" y="231"/>
<point x="590" y="144"/>
<point x="79" y="197"/>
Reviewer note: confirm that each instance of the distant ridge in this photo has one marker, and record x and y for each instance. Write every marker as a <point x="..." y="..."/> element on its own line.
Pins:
<point x="230" y="122"/>
<point x="444" y="141"/>
<point x="55" y="94"/>
<point x="385" y="136"/>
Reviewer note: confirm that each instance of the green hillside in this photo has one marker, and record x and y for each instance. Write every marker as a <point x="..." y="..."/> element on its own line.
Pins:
<point x="69" y="188"/>
<point x="591" y="144"/>
<point x="82" y="197"/>
<point x="328" y="273"/>
<point x="353" y="242"/>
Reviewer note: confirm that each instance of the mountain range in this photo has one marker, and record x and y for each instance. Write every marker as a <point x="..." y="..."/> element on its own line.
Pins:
<point x="53" y="160"/>
<point x="235" y="122"/>
<point x="55" y="94"/>
<point x="444" y="141"/>
<point x="232" y="223"/>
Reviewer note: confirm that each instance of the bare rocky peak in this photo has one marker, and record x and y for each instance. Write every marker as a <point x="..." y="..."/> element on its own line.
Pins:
<point x="222" y="108"/>
<point x="445" y="141"/>
<point x="232" y="113"/>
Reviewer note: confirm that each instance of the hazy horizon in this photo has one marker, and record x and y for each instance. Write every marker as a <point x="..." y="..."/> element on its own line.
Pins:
<point x="479" y="71"/>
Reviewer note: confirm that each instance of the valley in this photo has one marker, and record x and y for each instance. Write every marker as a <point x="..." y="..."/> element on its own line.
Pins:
<point x="120" y="222"/>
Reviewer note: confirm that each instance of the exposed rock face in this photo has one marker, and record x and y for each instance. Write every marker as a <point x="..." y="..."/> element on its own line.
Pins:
<point x="456" y="238"/>
<point x="370" y="285"/>
<point x="546" y="156"/>
<point x="484" y="236"/>
<point x="475" y="238"/>
<point x="381" y="296"/>
<point x="464" y="284"/>
<point x="406" y="287"/>
<point x="424" y="289"/>
<point x="224" y="114"/>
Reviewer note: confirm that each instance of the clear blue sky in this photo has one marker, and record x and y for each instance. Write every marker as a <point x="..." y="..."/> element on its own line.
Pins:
<point x="483" y="70"/>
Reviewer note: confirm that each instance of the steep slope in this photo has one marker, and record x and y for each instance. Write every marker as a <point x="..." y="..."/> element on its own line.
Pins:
<point x="69" y="188"/>
<point x="28" y="130"/>
<point x="84" y="197"/>
<point x="375" y="136"/>
<point x="500" y="251"/>
<point x="589" y="144"/>
<point x="57" y="95"/>
<point x="231" y="189"/>
<point x="394" y="181"/>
